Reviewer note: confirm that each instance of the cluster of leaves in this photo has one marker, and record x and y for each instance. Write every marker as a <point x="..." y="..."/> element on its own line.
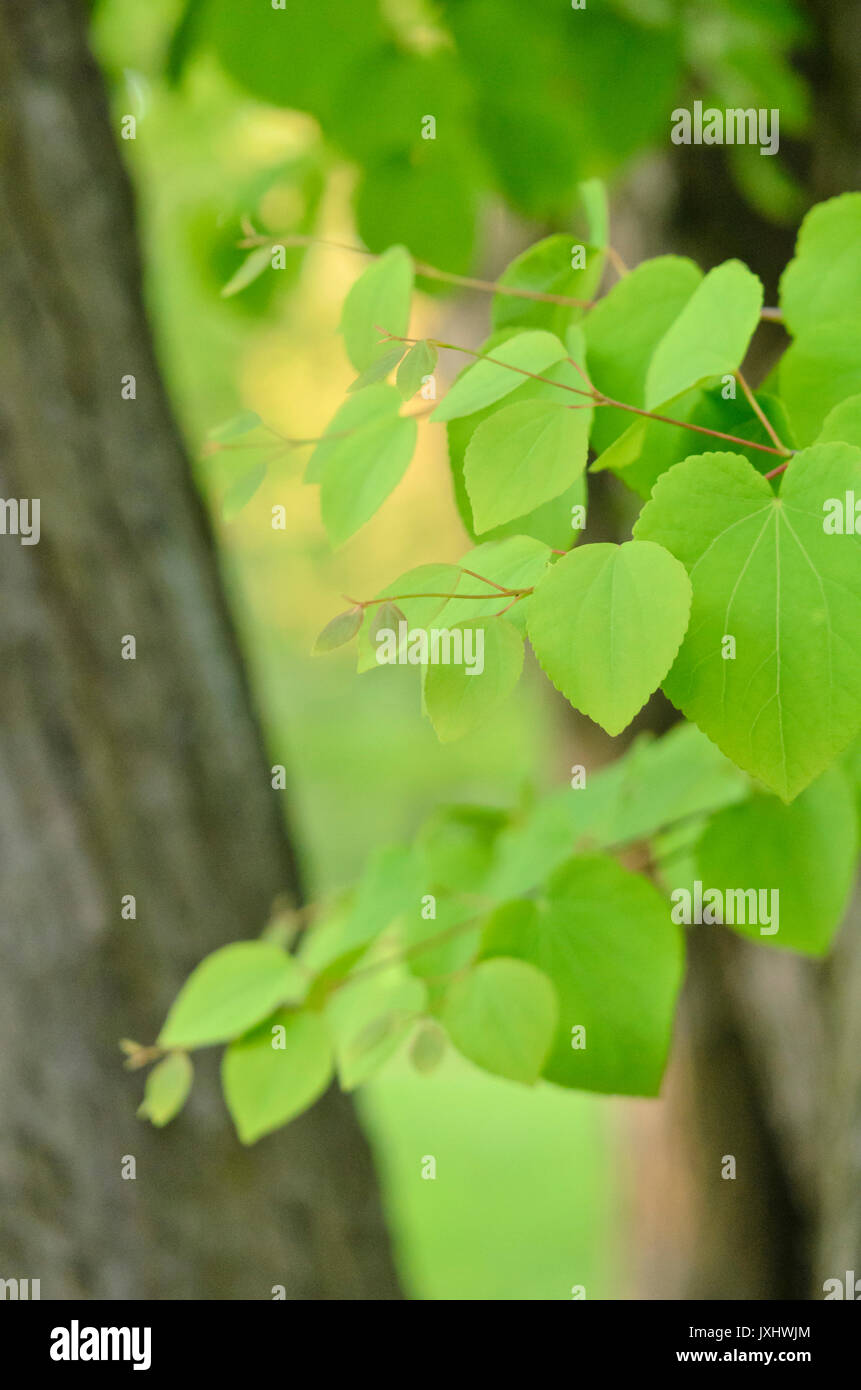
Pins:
<point x="540" y="957"/>
<point x="510" y="931"/>
<point x="589" y="89"/>
<point x="730" y="544"/>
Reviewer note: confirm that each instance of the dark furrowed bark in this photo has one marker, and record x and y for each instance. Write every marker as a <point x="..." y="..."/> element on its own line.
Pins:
<point x="143" y="777"/>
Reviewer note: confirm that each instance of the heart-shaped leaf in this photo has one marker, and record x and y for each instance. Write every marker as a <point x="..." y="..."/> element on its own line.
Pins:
<point x="770" y="668"/>
<point x="606" y="622"/>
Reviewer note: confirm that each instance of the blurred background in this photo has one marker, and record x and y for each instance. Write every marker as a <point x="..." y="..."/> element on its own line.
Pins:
<point x="320" y="136"/>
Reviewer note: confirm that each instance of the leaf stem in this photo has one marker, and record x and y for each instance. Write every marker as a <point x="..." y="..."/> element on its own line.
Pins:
<point x="616" y="261"/>
<point x="482" y="578"/>
<point x="483" y="357"/>
<point x="398" y="957"/>
<point x="761" y="415"/>
<point x="594" y="396"/>
<point x="472" y="574"/>
<point x="467" y="282"/>
<point x="430" y="272"/>
<point x="780" y="468"/>
<point x="688" y="425"/>
<point x="398" y="598"/>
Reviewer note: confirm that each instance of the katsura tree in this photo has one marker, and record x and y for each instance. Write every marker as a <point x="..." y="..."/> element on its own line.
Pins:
<point x="547" y="940"/>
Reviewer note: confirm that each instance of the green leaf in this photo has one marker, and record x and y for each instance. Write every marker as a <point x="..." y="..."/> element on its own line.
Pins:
<point x="818" y="371"/>
<point x="649" y="447"/>
<point x="362" y="470"/>
<point x="606" y="623"/>
<point x="852" y="765"/>
<point x="385" y="616"/>
<point x="236" y="426"/>
<point x="454" y="847"/>
<point x="605" y="940"/>
<point x="764" y="572"/>
<point x="510" y="924"/>
<point x="491" y="378"/>
<point x="766" y="185"/>
<point x="551" y="522"/>
<point x="184" y="39"/>
<point x="710" y="336"/>
<point x="655" y="784"/>
<point x="427" y="1048"/>
<point x="325" y="44"/>
<point x="230" y="991"/>
<point x="503" y="1016"/>
<point x="545" y="268"/>
<point x="623" y="330"/>
<point x="270" y="1076"/>
<point x="522" y="456"/>
<point x="805" y="853"/>
<point x="619" y="115"/>
<point x="380" y="298"/>
<point x="241" y="491"/>
<point x="378" y="369"/>
<point x="369" y="1019"/>
<point x="365" y="411"/>
<point x="389" y="887"/>
<point x="397" y="85"/>
<point x="426" y="202"/>
<point x="378" y="1030"/>
<point x="516" y="562"/>
<point x="823" y="280"/>
<point x="596" y="210"/>
<point x="459" y="697"/>
<point x="843" y="423"/>
<point x="167" y="1088"/>
<point x="251" y="269"/>
<point x="440" y="946"/>
<point x="418" y="364"/>
<point x="435" y="581"/>
<point x="340" y="630"/>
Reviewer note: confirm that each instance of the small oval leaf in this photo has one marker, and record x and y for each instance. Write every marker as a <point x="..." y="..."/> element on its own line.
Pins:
<point x="418" y="364"/>
<point x="339" y="631"/>
<point x="427" y="1048"/>
<point x="167" y="1088"/>
<point x="252" y="267"/>
<point x="377" y="370"/>
<point x="236" y="426"/>
<point x="240" y="493"/>
<point x="386" y="617"/>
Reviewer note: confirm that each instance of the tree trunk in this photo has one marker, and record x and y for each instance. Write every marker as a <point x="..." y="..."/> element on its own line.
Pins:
<point x="143" y="777"/>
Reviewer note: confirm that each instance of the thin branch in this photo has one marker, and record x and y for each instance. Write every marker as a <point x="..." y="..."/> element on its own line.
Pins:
<point x="594" y="397"/>
<point x="687" y="425"/>
<point x="582" y="371"/>
<point x="774" y="472"/>
<point x="509" y="605"/>
<point x="501" y="587"/>
<point x="760" y="414"/>
<point x="483" y="357"/>
<point x="432" y="272"/>
<point x="616" y="261"/>
<point x="398" y="598"/>
<point x="398" y="957"/>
